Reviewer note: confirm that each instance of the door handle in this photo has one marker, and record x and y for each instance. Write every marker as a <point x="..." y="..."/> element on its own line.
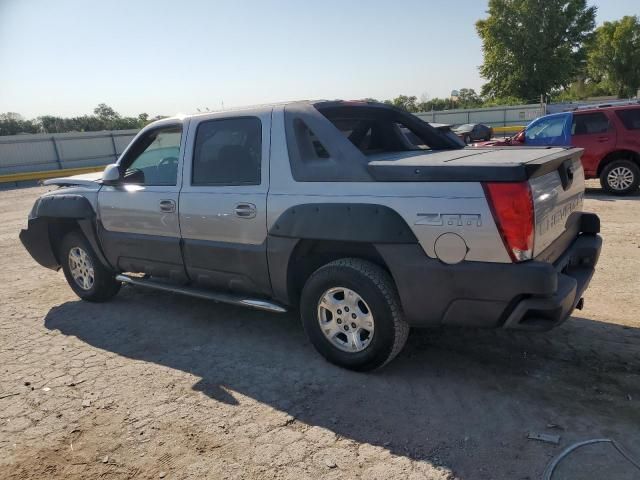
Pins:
<point x="603" y="139"/>
<point x="168" y="206"/>
<point x="245" y="210"/>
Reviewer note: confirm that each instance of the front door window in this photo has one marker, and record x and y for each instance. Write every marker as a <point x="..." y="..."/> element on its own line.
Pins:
<point x="153" y="159"/>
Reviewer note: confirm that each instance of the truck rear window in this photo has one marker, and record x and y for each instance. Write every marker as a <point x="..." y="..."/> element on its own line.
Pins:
<point x="375" y="130"/>
<point x="372" y="136"/>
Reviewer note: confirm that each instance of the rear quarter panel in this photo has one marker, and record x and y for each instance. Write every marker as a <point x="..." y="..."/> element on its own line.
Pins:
<point x="429" y="208"/>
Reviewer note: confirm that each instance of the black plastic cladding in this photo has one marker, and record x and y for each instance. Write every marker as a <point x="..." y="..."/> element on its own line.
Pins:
<point x="354" y="222"/>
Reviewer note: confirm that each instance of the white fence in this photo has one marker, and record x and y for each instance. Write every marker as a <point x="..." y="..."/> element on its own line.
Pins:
<point x="493" y="116"/>
<point x="45" y="152"/>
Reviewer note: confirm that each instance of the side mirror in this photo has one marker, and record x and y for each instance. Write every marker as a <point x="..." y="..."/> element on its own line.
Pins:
<point x="111" y="174"/>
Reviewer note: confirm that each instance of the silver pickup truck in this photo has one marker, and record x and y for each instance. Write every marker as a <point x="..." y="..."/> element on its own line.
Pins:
<point x="362" y="216"/>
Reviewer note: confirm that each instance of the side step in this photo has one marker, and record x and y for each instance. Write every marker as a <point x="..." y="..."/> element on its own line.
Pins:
<point x="206" y="294"/>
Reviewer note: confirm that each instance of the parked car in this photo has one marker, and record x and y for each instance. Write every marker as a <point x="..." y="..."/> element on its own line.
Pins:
<point x="443" y="128"/>
<point x="610" y="137"/>
<point x="328" y="208"/>
<point x="473" y="132"/>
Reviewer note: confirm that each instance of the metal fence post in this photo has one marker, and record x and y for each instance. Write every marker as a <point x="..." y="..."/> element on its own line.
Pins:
<point x="115" y="150"/>
<point x="57" y="150"/>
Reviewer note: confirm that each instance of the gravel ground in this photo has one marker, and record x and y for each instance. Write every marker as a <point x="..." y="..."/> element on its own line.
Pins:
<point x="154" y="385"/>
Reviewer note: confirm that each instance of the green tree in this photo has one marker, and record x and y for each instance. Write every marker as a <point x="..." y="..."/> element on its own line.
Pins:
<point x="104" y="118"/>
<point x="12" y="123"/>
<point x="468" y="98"/>
<point x="533" y="47"/>
<point x="105" y="112"/>
<point x="405" y="102"/>
<point x="580" y="89"/>
<point x="614" y="56"/>
<point x="437" y="104"/>
<point x="502" y="101"/>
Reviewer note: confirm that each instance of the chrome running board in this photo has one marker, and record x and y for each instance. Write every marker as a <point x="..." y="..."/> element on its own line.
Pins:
<point x="221" y="297"/>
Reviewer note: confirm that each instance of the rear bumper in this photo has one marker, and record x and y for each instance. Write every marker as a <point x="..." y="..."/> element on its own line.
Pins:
<point x="532" y="295"/>
<point x="573" y="271"/>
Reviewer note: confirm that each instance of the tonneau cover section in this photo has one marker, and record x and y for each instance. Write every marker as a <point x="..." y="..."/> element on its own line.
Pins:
<point x="507" y="164"/>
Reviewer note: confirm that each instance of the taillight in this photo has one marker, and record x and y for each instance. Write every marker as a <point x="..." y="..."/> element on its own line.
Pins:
<point x="512" y="208"/>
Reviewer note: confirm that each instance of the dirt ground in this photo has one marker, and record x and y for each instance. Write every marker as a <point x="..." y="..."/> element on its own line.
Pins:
<point x="154" y="385"/>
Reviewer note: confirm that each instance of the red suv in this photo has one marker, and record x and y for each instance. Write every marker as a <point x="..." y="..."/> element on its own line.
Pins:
<point x="610" y="137"/>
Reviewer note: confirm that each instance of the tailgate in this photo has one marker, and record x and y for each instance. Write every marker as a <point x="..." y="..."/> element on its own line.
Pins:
<point x="557" y="200"/>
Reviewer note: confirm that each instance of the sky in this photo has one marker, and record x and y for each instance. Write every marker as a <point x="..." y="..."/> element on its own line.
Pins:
<point x="64" y="57"/>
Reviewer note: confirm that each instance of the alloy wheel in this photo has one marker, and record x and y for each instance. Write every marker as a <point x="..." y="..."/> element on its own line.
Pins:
<point x="345" y="319"/>
<point x="81" y="268"/>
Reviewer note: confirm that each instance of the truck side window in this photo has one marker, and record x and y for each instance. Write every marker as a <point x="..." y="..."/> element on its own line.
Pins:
<point x="153" y="159"/>
<point x="630" y="118"/>
<point x="373" y="135"/>
<point x="228" y="152"/>
<point x="589" y="123"/>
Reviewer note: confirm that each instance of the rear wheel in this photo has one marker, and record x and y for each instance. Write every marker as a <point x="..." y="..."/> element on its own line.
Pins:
<point x="352" y="315"/>
<point x="620" y="177"/>
<point x="86" y="276"/>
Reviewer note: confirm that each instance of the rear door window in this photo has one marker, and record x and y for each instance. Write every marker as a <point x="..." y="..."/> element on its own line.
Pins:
<point x="589" y="124"/>
<point x="228" y="152"/>
<point x="630" y="118"/>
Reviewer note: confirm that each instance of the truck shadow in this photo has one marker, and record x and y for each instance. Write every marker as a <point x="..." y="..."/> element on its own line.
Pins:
<point x="458" y="397"/>
<point x="600" y="195"/>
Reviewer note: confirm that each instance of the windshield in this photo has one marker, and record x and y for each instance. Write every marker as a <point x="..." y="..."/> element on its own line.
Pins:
<point x="548" y="131"/>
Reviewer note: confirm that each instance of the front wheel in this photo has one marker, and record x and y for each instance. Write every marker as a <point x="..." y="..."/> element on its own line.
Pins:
<point x="86" y="276"/>
<point x="352" y="315"/>
<point x="620" y="177"/>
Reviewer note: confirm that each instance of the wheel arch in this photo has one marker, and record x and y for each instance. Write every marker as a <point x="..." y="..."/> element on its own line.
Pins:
<point x="54" y="216"/>
<point x="309" y="255"/>
<point x="57" y="229"/>
<point x="307" y="236"/>
<point x="618" y="155"/>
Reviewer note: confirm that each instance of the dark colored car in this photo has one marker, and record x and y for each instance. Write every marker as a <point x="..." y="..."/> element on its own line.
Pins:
<point x="473" y="132"/>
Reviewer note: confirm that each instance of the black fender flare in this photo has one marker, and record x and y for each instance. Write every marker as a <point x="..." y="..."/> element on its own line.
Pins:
<point x="347" y="222"/>
<point x="51" y="209"/>
<point x="333" y="222"/>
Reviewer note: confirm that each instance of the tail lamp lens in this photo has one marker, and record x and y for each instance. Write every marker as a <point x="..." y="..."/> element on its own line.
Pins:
<point x="512" y="208"/>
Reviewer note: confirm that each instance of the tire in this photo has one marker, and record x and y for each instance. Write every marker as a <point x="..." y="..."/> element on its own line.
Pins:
<point x="620" y="177"/>
<point x="90" y="280"/>
<point x="381" y="330"/>
<point x="467" y="139"/>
